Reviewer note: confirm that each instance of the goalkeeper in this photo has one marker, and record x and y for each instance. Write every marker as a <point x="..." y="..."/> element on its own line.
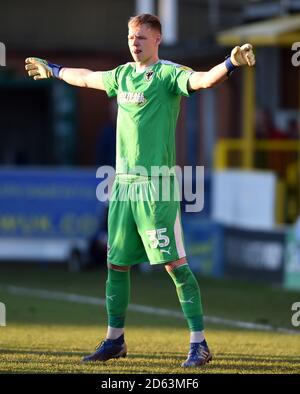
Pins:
<point x="148" y="91"/>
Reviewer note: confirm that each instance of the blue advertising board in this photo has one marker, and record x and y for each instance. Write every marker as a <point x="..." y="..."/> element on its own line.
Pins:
<point x="49" y="203"/>
<point x="204" y="245"/>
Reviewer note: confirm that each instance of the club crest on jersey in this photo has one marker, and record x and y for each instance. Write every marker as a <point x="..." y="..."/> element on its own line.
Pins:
<point x="149" y="75"/>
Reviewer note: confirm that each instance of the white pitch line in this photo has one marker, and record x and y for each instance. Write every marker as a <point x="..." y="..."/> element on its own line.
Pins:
<point x="82" y="299"/>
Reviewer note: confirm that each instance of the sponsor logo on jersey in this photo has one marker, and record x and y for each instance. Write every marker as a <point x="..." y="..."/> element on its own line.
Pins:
<point x="131" y="97"/>
<point x="149" y="75"/>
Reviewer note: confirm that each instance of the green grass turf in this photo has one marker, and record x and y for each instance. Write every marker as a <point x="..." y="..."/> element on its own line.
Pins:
<point x="48" y="336"/>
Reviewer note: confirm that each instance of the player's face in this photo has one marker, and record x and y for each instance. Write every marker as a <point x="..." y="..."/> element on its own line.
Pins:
<point x="143" y="43"/>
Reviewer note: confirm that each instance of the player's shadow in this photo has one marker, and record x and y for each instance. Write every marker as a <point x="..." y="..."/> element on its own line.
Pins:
<point x="157" y="355"/>
<point x="222" y="363"/>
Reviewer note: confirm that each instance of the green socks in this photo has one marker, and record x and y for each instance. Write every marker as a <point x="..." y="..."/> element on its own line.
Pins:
<point x="189" y="296"/>
<point x="118" y="292"/>
<point x="117" y="297"/>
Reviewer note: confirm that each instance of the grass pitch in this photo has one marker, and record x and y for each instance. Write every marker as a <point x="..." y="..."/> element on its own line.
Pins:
<point x="51" y="336"/>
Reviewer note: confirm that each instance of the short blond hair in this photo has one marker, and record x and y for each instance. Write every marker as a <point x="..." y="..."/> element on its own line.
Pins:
<point x="146" y="19"/>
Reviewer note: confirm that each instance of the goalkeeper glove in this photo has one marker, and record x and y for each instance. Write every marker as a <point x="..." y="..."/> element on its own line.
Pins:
<point x="243" y="56"/>
<point x="240" y="56"/>
<point x="41" y="69"/>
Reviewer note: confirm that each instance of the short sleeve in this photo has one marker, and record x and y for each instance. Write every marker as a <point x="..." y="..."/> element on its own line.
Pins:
<point x="176" y="79"/>
<point x="110" y="81"/>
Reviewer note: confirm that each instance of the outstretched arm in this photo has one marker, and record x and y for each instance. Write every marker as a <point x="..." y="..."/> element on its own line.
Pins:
<point x="42" y="69"/>
<point x="82" y="77"/>
<point x="240" y="56"/>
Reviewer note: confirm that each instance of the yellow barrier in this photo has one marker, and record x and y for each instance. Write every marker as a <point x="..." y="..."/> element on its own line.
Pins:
<point x="225" y="146"/>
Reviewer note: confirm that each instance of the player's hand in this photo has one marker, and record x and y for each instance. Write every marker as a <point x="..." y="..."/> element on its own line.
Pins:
<point x="243" y="56"/>
<point x="38" y="68"/>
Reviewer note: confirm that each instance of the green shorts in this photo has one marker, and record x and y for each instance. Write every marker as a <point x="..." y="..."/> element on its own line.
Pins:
<point x="144" y="222"/>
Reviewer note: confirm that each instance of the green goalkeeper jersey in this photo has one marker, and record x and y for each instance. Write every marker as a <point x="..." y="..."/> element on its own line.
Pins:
<point x="148" y="107"/>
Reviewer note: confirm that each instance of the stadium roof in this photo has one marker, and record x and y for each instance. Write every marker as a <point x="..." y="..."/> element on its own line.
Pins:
<point x="278" y="31"/>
